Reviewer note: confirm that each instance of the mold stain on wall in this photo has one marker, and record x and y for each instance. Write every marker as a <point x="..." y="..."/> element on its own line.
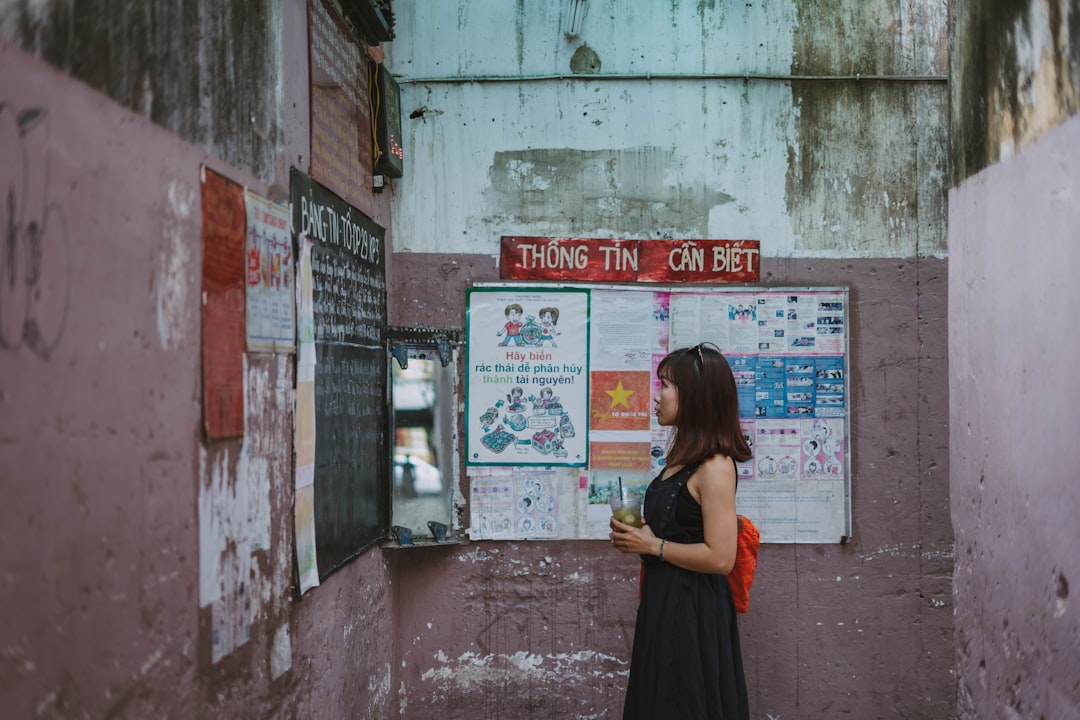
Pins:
<point x="227" y="100"/>
<point x="622" y="191"/>
<point x="861" y="176"/>
<point x="1017" y="78"/>
<point x="895" y="37"/>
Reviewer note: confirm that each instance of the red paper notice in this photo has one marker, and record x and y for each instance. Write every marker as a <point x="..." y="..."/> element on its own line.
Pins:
<point x="224" y="222"/>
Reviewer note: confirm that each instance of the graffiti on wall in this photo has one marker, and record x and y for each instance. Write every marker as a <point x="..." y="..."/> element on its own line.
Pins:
<point x="35" y="262"/>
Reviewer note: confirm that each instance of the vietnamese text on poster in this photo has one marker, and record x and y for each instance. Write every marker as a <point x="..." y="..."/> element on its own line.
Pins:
<point x="270" y="270"/>
<point x="788" y="351"/>
<point x="527" y="382"/>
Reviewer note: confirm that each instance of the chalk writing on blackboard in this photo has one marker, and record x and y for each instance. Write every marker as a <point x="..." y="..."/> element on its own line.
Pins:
<point x="351" y="476"/>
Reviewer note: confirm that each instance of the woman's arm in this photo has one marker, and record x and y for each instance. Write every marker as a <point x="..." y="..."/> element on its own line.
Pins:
<point x="714" y="487"/>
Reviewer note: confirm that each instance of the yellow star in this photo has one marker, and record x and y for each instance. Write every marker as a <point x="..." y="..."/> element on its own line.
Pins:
<point x="619" y="396"/>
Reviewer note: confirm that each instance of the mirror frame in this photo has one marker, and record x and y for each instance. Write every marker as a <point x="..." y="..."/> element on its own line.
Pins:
<point x="424" y="343"/>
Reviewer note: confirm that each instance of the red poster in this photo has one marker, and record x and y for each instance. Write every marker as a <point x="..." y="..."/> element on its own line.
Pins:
<point x="224" y="335"/>
<point x="599" y="260"/>
<point x="619" y="400"/>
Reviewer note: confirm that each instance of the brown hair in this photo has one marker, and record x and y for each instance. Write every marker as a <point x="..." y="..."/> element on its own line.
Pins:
<point x="708" y="419"/>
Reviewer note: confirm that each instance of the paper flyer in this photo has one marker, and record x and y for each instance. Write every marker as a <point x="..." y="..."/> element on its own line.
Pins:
<point x="527" y="397"/>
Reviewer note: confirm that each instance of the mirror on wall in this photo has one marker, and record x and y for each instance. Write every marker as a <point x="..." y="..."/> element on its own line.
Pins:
<point x="423" y="373"/>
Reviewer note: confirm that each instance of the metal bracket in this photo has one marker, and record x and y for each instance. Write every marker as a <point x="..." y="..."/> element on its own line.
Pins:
<point x="415" y="341"/>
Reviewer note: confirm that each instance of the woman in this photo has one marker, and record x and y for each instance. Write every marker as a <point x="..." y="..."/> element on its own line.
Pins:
<point x="686" y="661"/>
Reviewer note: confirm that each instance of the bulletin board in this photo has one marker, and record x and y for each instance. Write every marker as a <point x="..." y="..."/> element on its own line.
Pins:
<point x="342" y="334"/>
<point x="543" y="469"/>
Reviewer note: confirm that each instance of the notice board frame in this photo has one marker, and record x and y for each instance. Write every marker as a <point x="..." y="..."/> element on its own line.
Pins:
<point x="351" y="372"/>
<point x="781" y="509"/>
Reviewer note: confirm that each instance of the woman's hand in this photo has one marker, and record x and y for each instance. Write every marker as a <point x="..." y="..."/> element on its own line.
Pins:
<point x="629" y="539"/>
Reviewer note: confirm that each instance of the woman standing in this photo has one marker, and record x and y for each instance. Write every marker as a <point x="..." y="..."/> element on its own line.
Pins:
<point x="686" y="661"/>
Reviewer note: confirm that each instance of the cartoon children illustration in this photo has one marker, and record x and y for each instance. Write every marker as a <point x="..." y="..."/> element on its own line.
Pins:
<point x="543" y="403"/>
<point x="517" y="402"/>
<point x="549" y="318"/>
<point x="512" y="329"/>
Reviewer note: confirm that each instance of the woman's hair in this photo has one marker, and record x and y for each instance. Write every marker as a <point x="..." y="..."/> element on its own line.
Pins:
<point x="707" y="422"/>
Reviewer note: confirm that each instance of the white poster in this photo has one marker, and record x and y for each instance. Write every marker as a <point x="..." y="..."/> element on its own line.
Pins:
<point x="787" y="349"/>
<point x="527" y="382"/>
<point x="516" y="504"/>
<point x="271" y="269"/>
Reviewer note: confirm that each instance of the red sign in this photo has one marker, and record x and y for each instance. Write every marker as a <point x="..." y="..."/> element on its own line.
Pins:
<point x="224" y="308"/>
<point x="600" y="260"/>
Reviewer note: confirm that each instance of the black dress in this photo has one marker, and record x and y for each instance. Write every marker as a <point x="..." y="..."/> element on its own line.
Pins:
<point x="686" y="662"/>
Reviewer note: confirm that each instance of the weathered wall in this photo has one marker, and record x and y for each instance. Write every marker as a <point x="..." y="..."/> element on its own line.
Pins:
<point x="841" y="178"/>
<point x="1014" y="392"/>
<point x="228" y="99"/>
<point x="543" y="629"/>
<point x="673" y="139"/>
<point x="111" y="493"/>
<point x="1016" y="75"/>
<point x="705" y="120"/>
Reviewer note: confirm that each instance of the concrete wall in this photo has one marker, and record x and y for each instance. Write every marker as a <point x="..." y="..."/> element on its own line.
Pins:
<point x="543" y="629"/>
<point x="228" y="98"/>
<point x="672" y="139"/>
<point x="117" y="584"/>
<point x="843" y="180"/>
<point x="1013" y="389"/>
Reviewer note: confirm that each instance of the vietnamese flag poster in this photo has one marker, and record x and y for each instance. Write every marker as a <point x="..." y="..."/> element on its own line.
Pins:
<point x="619" y="400"/>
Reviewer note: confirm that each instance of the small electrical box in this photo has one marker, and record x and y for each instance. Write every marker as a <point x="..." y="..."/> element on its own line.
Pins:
<point x="386" y="105"/>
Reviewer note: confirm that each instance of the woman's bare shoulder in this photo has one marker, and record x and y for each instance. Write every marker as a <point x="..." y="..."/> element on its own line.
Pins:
<point x="718" y="471"/>
<point x="718" y="463"/>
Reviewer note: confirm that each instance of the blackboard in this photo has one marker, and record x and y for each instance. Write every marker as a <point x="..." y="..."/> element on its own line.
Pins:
<point x="352" y="456"/>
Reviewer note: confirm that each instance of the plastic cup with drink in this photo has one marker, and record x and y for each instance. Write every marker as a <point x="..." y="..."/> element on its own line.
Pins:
<point x="625" y="503"/>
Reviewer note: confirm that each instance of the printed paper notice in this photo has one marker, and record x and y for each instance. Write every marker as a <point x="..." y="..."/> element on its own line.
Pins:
<point x="528" y="388"/>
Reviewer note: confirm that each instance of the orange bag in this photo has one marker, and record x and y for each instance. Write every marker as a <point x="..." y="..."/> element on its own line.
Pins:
<point x="741" y="576"/>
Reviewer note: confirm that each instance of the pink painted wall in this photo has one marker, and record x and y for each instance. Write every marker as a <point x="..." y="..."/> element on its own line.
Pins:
<point x="1014" y="390"/>
<point x="101" y="461"/>
<point x="1015" y="397"/>
<point x="542" y="629"/>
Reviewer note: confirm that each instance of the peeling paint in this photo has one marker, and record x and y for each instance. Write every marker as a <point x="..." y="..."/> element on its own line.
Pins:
<point x="471" y="671"/>
<point x="151" y="661"/>
<point x="281" y="652"/>
<point x="175" y="267"/>
<point x="892" y="551"/>
<point x="378" y="686"/>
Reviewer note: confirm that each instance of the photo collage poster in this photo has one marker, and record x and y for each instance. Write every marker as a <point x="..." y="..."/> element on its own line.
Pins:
<point x="788" y="351"/>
